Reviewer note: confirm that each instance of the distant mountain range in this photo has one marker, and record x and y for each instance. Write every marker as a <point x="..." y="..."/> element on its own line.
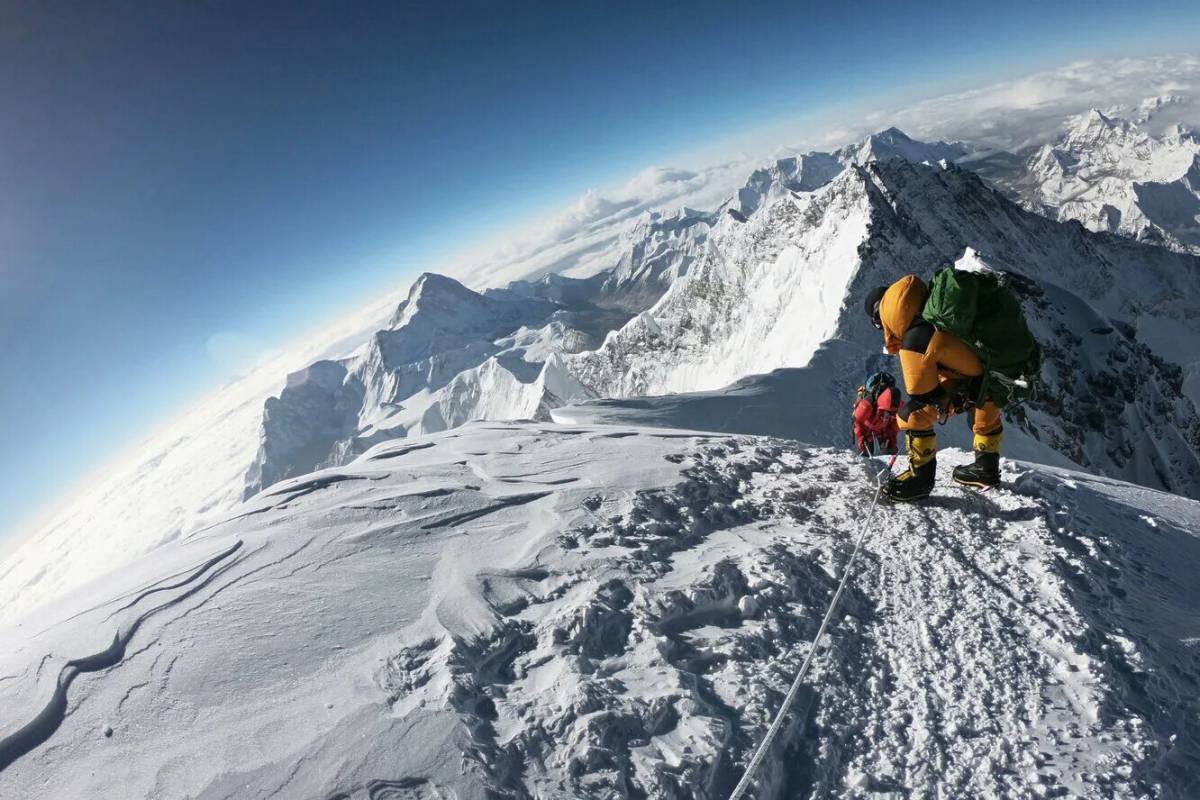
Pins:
<point x="1109" y="175"/>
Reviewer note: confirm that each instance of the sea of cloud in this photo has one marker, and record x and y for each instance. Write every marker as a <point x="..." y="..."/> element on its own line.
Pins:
<point x="1159" y="91"/>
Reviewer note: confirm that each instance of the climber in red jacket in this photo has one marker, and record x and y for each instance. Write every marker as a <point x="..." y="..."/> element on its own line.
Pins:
<point x="875" y="428"/>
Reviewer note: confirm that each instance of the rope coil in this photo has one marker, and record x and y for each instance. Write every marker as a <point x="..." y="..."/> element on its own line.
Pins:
<point x="776" y="724"/>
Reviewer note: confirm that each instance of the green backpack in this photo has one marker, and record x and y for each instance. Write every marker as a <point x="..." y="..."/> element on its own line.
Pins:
<point x="982" y="310"/>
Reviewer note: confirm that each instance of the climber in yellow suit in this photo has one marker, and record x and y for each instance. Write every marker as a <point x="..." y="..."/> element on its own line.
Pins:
<point x="937" y="366"/>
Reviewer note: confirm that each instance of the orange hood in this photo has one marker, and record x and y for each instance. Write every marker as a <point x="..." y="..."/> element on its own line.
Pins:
<point x="903" y="300"/>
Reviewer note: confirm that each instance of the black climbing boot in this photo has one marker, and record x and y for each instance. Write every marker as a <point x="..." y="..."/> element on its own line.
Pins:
<point x="916" y="482"/>
<point x="984" y="473"/>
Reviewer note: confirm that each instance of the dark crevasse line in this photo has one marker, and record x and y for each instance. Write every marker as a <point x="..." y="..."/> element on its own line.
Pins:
<point x="295" y="491"/>
<point x="43" y="726"/>
<point x="553" y="482"/>
<point x="500" y="504"/>
<point x="402" y="451"/>
<point x="196" y="573"/>
<point x="138" y="594"/>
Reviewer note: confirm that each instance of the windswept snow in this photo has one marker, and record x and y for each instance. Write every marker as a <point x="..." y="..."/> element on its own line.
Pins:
<point x="593" y="611"/>
<point x="180" y="478"/>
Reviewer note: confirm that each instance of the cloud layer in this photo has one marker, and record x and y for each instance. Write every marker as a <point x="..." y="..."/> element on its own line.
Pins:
<point x="1031" y="109"/>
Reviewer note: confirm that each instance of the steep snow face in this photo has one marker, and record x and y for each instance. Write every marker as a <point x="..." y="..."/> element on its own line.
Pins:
<point x="1110" y="175"/>
<point x="765" y="294"/>
<point x="592" y="612"/>
<point x="658" y="250"/>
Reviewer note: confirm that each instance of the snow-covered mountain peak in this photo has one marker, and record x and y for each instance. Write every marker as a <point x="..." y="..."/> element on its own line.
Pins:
<point x="1089" y="128"/>
<point x="659" y="248"/>
<point x="446" y="302"/>
<point x="1109" y="174"/>
<point x="894" y="143"/>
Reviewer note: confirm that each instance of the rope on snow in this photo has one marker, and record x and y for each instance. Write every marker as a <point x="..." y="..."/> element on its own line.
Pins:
<point x="776" y="724"/>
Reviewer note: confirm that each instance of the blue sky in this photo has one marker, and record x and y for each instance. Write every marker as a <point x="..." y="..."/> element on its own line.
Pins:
<point x="170" y="172"/>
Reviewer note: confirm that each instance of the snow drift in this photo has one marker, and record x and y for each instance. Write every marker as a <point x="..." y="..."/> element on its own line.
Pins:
<point x="550" y="611"/>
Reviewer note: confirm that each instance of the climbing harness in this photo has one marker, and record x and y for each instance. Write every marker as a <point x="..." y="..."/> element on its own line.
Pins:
<point x="756" y="761"/>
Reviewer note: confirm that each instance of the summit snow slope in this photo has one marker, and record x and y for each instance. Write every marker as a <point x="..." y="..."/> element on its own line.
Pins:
<point x="529" y="610"/>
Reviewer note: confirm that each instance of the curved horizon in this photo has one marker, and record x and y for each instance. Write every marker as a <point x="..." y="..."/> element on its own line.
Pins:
<point x="115" y="341"/>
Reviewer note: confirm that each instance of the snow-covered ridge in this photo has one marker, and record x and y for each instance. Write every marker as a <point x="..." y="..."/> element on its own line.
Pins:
<point x="589" y="612"/>
<point x="811" y="171"/>
<point x="1112" y="315"/>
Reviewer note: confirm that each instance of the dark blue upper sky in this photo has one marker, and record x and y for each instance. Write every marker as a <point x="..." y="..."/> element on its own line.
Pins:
<point x="173" y="170"/>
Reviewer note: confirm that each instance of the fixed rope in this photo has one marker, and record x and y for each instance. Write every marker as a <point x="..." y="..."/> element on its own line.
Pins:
<point x="748" y="776"/>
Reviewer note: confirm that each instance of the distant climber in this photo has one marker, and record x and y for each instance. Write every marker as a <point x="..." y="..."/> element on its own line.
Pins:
<point x="875" y="407"/>
<point x="930" y="327"/>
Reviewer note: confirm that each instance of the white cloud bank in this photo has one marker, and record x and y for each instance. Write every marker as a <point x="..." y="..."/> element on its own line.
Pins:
<point x="578" y="241"/>
<point x="1031" y="109"/>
